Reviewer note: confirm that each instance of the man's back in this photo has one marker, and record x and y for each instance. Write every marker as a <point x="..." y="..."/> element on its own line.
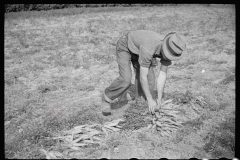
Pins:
<point x="150" y="40"/>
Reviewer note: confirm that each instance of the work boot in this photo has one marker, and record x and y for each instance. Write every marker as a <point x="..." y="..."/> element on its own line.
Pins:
<point x="106" y="108"/>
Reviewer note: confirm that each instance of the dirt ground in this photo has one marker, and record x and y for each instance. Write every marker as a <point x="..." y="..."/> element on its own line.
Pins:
<point x="56" y="67"/>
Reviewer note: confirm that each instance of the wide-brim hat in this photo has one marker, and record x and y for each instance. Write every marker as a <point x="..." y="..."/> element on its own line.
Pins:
<point x="174" y="46"/>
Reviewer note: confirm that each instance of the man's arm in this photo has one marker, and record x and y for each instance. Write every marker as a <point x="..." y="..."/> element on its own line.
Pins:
<point x="144" y="82"/>
<point x="145" y="86"/>
<point x="161" y="83"/>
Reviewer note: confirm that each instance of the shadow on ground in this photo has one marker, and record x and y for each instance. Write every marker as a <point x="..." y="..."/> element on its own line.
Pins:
<point x="126" y="97"/>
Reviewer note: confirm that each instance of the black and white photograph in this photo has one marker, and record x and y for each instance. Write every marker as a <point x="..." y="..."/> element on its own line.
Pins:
<point x="119" y="81"/>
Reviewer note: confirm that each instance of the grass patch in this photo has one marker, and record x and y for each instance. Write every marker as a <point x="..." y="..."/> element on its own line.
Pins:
<point x="195" y="124"/>
<point x="24" y="145"/>
<point x="86" y="116"/>
<point x="47" y="88"/>
<point x="133" y="116"/>
<point x="221" y="141"/>
<point x="64" y="12"/>
<point x="230" y="51"/>
<point x="182" y="133"/>
<point x="228" y="79"/>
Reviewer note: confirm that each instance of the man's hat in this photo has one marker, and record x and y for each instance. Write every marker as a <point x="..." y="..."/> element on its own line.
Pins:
<point x="174" y="46"/>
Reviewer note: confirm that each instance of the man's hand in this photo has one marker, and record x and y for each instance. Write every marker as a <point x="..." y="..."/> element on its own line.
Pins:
<point x="152" y="106"/>
<point x="159" y="103"/>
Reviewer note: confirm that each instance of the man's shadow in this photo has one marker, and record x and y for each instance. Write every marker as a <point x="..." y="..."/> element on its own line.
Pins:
<point x="128" y="95"/>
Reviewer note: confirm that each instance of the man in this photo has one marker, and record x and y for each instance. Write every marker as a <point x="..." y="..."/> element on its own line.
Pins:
<point x="141" y="48"/>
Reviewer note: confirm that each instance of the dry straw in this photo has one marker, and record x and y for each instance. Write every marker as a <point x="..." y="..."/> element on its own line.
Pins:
<point x="164" y="122"/>
<point x="83" y="135"/>
<point x="167" y="120"/>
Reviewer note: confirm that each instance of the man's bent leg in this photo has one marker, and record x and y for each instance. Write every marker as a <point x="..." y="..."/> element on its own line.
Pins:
<point x="120" y="84"/>
<point x="123" y="82"/>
